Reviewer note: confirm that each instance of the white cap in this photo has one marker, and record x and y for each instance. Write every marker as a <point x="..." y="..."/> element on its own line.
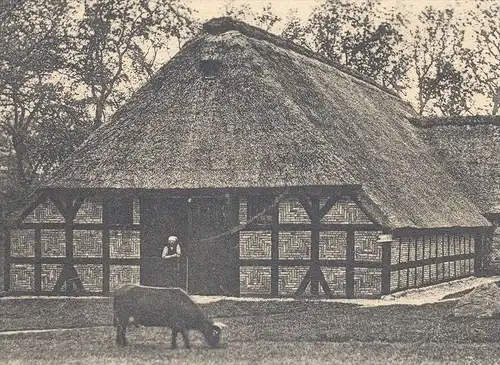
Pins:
<point x="172" y="239"/>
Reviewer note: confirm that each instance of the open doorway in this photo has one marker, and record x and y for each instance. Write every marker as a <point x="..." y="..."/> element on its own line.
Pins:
<point x="161" y="218"/>
<point x="210" y="263"/>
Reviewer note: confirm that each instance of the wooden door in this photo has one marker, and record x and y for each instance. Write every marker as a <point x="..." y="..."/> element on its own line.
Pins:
<point x="213" y="249"/>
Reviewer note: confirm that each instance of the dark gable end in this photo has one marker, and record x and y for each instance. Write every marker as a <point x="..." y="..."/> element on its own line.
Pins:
<point x="240" y="108"/>
<point x="469" y="147"/>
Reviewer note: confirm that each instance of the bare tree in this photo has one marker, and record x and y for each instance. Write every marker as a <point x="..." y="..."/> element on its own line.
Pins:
<point x="116" y="45"/>
<point x="294" y="30"/>
<point x="264" y="18"/>
<point x="450" y="89"/>
<point x="363" y="36"/>
<point x="33" y="101"/>
<point x="436" y="46"/>
<point x="484" y="59"/>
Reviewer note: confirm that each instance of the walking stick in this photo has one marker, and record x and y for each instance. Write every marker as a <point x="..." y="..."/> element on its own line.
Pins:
<point x="187" y="275"/>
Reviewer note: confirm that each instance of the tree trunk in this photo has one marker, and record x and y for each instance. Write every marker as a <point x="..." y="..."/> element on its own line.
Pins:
<point x="99" y="115"/>
<point x="19" y="148"/>
<point x="496" y="103"/>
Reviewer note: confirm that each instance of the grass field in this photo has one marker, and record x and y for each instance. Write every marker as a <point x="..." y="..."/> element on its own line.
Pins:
<point x="298" y="332"/>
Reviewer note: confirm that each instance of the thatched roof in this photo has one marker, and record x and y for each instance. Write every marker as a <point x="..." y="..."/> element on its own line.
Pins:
<point x="238" y="107"/>
<point x="469" y="147"/>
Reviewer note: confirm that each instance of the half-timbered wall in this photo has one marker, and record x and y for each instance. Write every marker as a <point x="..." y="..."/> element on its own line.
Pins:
<point x="422" y="260"/>
<point x="104" y="256"/>
<point x="494" y="248"/>
<point x="296" y="245"/>
<point x="278" y="256"/>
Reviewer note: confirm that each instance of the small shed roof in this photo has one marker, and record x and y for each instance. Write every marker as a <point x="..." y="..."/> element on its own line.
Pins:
<point x="469" y="148"/>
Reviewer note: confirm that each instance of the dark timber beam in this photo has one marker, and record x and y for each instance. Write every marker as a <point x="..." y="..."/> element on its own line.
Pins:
<point x="275" y="250"/>
<point x="70" y="277"/>
<point x="371" y="210"/>
<point x="408" y="260"/>
<point x="76" y="260"/>
<point x="296" y="262"/>
<point x="328" y="206"/>
<point x="35" y="203"/>
<point x="349" y="270"/>
<point x="311" y="210"/>
<point x="105" y="247"/>
<point x="309" y="189"/>
<point x="38" y="264"/>
<point x="478" y="253"/>
<point x="315" y="220"/>
<point x="234" y="221"/>
<point x="306" y="227"/>
<point x="6" y="277"/>
<point x="386" y="267"/>
<point x="105" y="260"/>
<point x="432" y="260"/>
<point x="304" y="283"/>
<point x="142" y="234"/>
<point x="316" y="213"/>
<point x="68" y="204"/>
<point x="324" y="284"/>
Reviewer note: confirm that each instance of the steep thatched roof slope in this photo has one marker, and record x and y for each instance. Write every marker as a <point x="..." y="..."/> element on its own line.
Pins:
<point x="237" y="107"/>
<point x="470" y="149"/>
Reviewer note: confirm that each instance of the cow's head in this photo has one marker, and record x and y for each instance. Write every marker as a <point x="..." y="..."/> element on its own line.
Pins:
<point x="213" y="338"/>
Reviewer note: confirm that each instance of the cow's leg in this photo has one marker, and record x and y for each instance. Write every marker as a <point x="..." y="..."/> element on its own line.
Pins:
<point x="185" y="337"/>
<point x="118" y="336"/>
<point x="117" y="324"/>
<point x="121" y="332"/>
<point x="124" y="336"/>
<point x="174" y="338"/>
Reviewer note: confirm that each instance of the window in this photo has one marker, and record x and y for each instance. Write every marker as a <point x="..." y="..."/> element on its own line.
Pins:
<point x="118" y="211"/>
<point x="210" y="68"/>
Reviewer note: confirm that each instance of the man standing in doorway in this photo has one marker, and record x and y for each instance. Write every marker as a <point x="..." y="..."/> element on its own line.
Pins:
<point x="172" y="254"/>
<point x="172" y="249"/>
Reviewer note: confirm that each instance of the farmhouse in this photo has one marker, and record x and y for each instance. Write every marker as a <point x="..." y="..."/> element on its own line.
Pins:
<point x="469" y="147"/>
<point x="282" y="174"/>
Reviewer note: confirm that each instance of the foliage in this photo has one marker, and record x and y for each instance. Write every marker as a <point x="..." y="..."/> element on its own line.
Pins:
<point x="264" y="18"/>
<point x="449" y="88"/>
<point x="34" y="104"/>
<point x="61" y="60"/>
<point x="435" y="46"/>
<point x="116" y="45"/>
<point x="65" y="65"/>
<point x="430" y="66"/>
<point x="484" y="59"/>
<point x="294" y="30"/>
<point x="362" y="36"/>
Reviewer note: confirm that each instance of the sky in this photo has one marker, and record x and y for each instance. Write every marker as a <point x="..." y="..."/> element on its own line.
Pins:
<point x="208" y="9"/>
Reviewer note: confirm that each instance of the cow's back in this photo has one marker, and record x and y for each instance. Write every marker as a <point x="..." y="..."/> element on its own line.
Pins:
<point x="152" y="306"/>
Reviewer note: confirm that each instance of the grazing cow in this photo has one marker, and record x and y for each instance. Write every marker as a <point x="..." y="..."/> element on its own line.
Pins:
<point x="161" y="307"/>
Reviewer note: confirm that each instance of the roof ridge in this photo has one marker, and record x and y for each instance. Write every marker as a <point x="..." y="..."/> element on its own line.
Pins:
<point x="471" y="120"/>
<point x="225" y="24"/>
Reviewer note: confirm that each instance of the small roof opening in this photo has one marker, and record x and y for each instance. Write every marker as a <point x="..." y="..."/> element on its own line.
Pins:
<point x="210" y="68"/>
